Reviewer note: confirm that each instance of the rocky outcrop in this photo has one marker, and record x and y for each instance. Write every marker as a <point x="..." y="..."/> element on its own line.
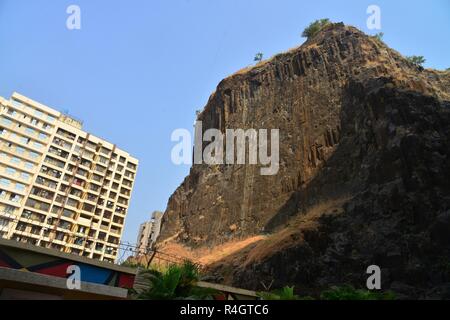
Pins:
<point x="357" y="122"/>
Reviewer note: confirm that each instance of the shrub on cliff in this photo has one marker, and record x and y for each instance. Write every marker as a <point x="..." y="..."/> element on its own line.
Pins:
<point x="258" y="57"/>
<point x="417" y="60"/>
<point x="379" y="36"/>
<point x="315" y="27"/>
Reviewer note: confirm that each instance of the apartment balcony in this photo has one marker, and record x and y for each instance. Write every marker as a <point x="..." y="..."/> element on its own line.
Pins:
<point x="65" y="134"/>
<point x="51" y="173"/>
<point x="129" y="175"/>
<point x="125" y="192"/>
<point x="91" y="146"/>
<point x="127" y="184"/>
<point x="59" y="153"/>
<point x="7" y="215"/>
<point x="75" y="182"/>
<point x="76" y="194"/>
<point x="94" y="189"/>
<point x="46" y="183"/>
<point x="91" y="197"/>
<point x="97" y="178"/>
<point x="28" y="215"/>
<point x="85" y="164"/>
<point x="57" y="164"/>
<point x="42" y="194"/>
<point x="132" y="166"/>
<point x="37" y="205"/>
<point x="103" y="161"/>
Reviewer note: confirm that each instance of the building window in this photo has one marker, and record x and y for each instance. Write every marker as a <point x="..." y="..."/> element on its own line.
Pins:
<point x="38" y="113"/>
<point x="4" y="222"/>
<point x="10" y="171"/>
<point x="5" y="121"/>
<point x="34" y="155"/>
<point x="25" y="176"/>
<point x="16" y="104"/>
<point x="21" y="226"/>
<point x="20" y="150"/>
<point x="43" y="136"/>
<point x="29" y="165"/>
<point x="24" y="140"/>
<point x="15" y="197"/>
<point x="9" y="209"/>
<point x="5" y="182"/>
<point x="30" y="131"/>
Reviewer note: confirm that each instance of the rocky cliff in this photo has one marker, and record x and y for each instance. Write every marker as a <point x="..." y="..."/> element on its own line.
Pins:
<point x="364" y="173"/>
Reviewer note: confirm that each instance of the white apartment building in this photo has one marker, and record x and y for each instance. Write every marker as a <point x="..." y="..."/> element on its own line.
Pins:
<point x="148" y="233"/>
<point x="61" y="187"/>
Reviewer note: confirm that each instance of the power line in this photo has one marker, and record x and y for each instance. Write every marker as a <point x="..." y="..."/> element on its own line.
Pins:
<point x="122" y="246"/>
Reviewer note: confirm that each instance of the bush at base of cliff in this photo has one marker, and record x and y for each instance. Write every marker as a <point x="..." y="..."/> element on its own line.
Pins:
<point x="175" y="283"/>
<point x="349" y="293"/>
<point x="286" y="293"/>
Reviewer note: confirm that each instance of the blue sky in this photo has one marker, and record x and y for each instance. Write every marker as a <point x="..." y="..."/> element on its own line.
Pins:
<point x="139" y="69"/>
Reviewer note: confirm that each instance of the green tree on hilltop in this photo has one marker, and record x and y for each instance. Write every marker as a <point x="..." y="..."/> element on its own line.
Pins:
<point x="315" y="27"/>
<point x="258" y="57"/>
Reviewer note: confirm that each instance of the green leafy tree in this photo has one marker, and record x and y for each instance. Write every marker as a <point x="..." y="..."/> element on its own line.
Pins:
<point x="315" y="27"/>
<point x="416" y="60"/>
<point x="258" y="57"/>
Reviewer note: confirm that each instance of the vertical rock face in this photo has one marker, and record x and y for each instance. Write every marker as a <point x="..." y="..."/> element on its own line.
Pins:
<point x="357" y="121"/>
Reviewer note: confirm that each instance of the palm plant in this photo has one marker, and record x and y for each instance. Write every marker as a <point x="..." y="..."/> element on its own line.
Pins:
<point x="177" y="282"/>
<point x="416" y="60"/>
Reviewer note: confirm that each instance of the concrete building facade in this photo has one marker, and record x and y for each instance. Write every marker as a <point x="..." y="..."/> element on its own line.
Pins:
<point x="61" y="187"/>
<point x="148" y="233"/>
